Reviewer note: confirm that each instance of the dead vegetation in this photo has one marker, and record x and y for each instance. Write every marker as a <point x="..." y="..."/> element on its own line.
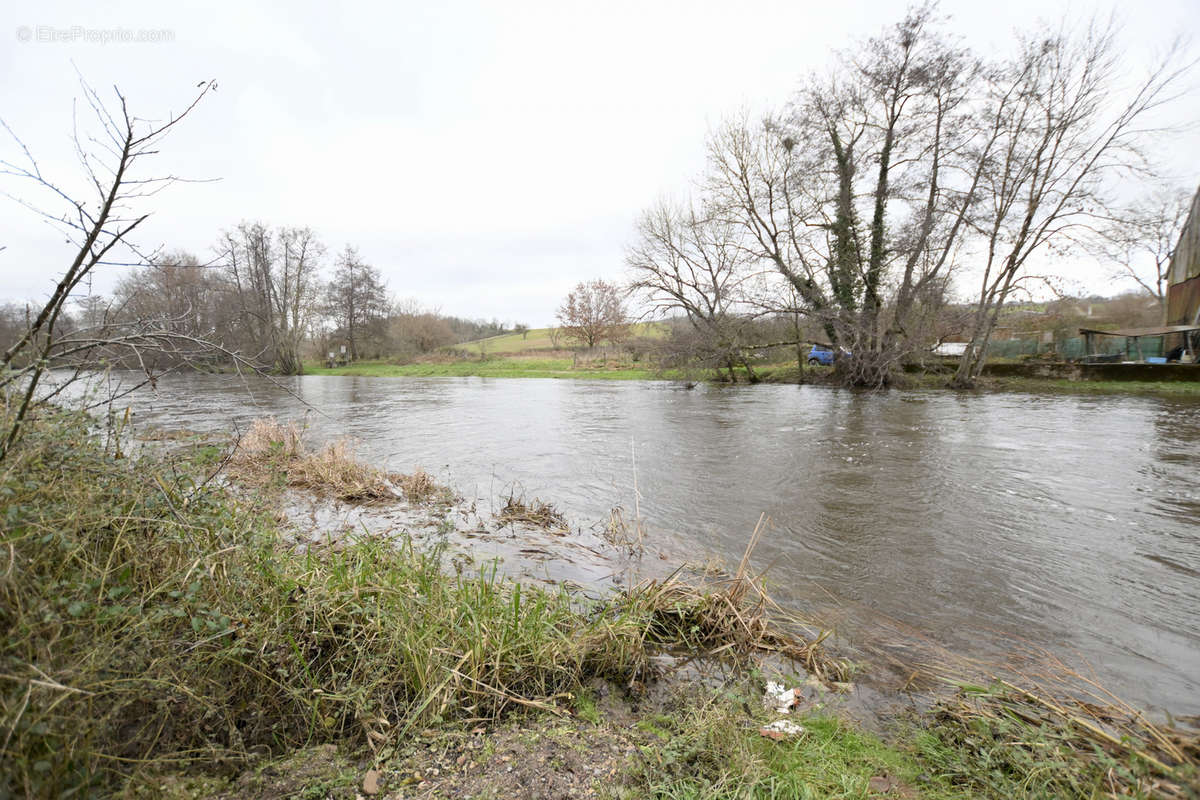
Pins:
<point x="271" y="452"/>
<point x="1072" y="746"/>
<point x="624" y="536"/>
<point x="419" y="487"/>
<point x="535" y="513"/>
<point x="1061" y="734"/>
<point x="245" y="648"/>
<point x="733" y="616"/>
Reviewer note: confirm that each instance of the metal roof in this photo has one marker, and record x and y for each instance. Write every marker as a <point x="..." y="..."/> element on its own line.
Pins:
<point x="1162" y="330"/>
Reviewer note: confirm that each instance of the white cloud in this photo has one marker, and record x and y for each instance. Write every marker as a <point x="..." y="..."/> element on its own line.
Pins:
<point x="486" y="156"/>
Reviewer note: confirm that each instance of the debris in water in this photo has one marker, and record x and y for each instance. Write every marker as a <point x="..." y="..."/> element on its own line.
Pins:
<point x="534" y="513"/>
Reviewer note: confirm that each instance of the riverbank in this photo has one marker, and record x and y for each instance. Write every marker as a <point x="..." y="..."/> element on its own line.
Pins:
<point x="495" y="367"/>
<point x="265" y="666"/>
<point x="565" y="368"/>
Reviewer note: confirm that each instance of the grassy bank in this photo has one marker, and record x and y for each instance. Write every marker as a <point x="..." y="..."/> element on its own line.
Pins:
<point x="1033" y="385"/>
<point x="164" y="637"/>
<point x="157" y="620"/>
<point x="499" y="367"/>
<point x="535" y="367"/>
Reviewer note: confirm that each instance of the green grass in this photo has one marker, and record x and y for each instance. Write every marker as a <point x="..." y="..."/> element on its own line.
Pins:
<point x="530" y="367"/>
<point x="539" y="339"/>
<point x="153" y="620"/>
<point x="1181" y="389"/>
<point x="1059" y="386"/>
<point x="157" y="623"/>
<point x="710" y="749"/>
<point x="1000" y="744"/>
<point x="157" y="620"/>
<point x="490" y="368"/>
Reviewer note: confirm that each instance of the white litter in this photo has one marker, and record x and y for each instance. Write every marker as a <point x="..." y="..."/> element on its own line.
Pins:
<point x="781" y="729"/>
<point x="779" y="699"/>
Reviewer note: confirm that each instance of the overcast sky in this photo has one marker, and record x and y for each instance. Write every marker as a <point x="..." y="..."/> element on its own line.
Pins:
<point x="485" y="156"/>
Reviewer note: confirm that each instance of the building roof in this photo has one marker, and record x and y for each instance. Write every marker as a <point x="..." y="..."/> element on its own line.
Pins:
<point x="1162" y="330"/>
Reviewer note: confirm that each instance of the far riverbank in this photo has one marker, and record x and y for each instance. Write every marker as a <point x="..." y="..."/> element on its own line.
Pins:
<point x="515" y="366"/>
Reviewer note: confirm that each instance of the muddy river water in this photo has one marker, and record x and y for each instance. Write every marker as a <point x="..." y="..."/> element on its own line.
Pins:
<point x="984" y="524"/>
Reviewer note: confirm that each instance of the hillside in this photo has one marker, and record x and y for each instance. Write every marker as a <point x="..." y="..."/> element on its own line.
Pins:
<point x="539" y="339"/>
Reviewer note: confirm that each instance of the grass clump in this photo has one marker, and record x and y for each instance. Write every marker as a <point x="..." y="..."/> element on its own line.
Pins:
<point x="710" y="748"/>
<point x="420" y="487"/>
<point x="271" y="452"/>
<point x="735" y="615"/>
<point x="518" y="510"/>
<point x="1005" y="741"/>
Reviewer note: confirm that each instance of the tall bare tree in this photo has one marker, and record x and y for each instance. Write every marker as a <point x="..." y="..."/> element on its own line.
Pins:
<point x="356" y="300"/>
<point x="858" y="196"/>
<point x="1140" y="240"/>
<point x="686" y="261"/>
<point x="177" y="289"/>
<point x="1067" y="132"/>
<point x="274" y="277"/>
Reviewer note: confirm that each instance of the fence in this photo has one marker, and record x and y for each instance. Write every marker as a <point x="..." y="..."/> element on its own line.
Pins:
<point x="1073" y="348"/>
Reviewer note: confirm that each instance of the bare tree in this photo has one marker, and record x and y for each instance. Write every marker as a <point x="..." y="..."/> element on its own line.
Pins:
<point x="593" y="312"/>
<point x="356" y="300"/>
<point x="14" y="322"/>
<point x="691" y="262"/>
<point x="99" y="229"/>
<point x="414" y="330"/>
<point x="1062" y="137"/>
<point x="858" y="197"/>
<point x="178" y="290"/>
<point x="274" y="277"/>
<point x="1141" y="238"/>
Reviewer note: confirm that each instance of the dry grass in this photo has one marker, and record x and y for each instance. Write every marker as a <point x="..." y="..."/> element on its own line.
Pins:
<point x="734" y="615"/>
<point x="531" y="512"/>
<point x="420" y="487"/>
<point x="624" y="536"/>
<point x="271" y="451"/>
<point x="1053" y="731"/>
<point x="1071" y="746"/>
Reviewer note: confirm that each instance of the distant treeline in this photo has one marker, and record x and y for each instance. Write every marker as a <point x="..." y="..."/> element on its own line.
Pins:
<point x="270" y="296"/>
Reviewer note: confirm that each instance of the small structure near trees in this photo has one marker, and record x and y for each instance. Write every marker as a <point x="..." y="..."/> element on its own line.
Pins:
<point x="1183" y="275"/>
<point x="1133" y="343"/>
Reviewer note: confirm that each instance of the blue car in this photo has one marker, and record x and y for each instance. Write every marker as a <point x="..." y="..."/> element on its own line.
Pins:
<point x="824" y="356"/>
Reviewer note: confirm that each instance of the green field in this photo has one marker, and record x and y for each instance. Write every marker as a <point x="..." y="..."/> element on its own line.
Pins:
<point x="533" y="355"/>
<point x="539" y="339"/>
<point x="489" y="368"/>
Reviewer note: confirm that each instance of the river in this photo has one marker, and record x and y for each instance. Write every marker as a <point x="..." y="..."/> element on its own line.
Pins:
<point x="985" y="524"/>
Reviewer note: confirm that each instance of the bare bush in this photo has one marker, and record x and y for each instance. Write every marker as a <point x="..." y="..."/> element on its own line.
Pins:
<point x="594" y="312"/>
<point x="100" y="230"/>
